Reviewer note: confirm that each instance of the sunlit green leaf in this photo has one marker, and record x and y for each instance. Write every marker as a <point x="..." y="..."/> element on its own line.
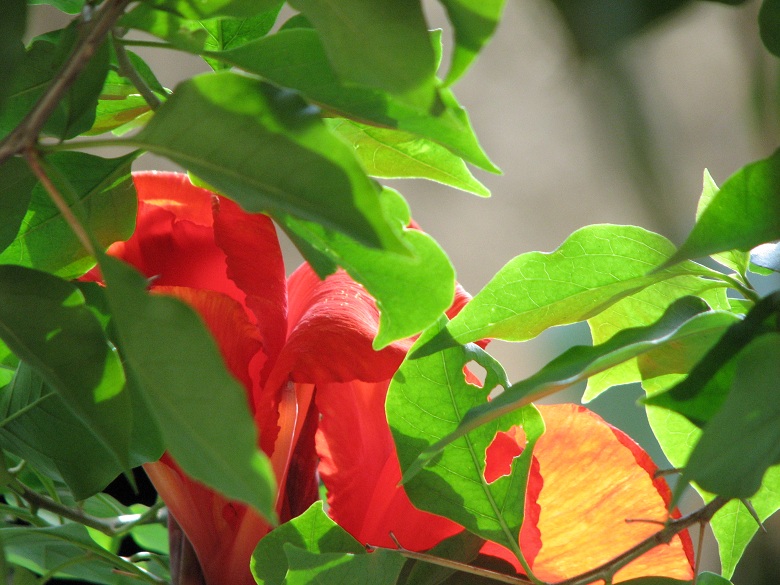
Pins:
<point x="105" y="190"/>
<point x="16" y="185"/>
<point x="381" y="567"/>
<point x="395" y="281"/>
<point x="474" y="22"/>
<point x="394" y="154"/>
<point x="379" y="44"/>
<point x="594" y="268"/>
<point x="742" y="440"/>
<point x="44" y="320"/>
<point x="641" y="309"/>
<point x="179" y="370"/>
<point x="313" y="531"/>
<point x="744" y="213"/>
<point x="267" y="149"/>
<point x="152" y="537"/>
<point x="766" y="256"/>
<point x="228" y="33"/>
<point x="200" y="9"/>
<point x="426" y="402"/>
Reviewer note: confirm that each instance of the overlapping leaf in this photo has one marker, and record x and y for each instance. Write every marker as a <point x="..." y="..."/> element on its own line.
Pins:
<point x="184" y="380"/>
<point x="396" y="282"/>
<point x="200" y="9"/>
<point x="105" y="190"/>
<point x="16" y="185"/>
<point x="594" y="268"/>
<point x="268" y="150"/>
<point x="427" y="400"/>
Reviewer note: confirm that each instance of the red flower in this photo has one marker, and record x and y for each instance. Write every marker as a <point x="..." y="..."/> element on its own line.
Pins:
<point x="302" y="349"/>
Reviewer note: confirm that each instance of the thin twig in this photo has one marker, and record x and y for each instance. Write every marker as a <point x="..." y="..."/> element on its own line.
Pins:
<point x="25" y="135"/>
<point x="33" y="158"/>
<point x="127" y="70"/>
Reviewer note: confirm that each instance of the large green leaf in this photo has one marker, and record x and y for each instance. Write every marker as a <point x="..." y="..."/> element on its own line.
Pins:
<point x="184" y="380"/>
<point x="267" y="149"/>
<point x="377" y="44"/>
<point x="769" y="25"/>
<point x="45" y="322"/>
<point x="313" y="531"/>
<point x="107" y="198"/>
<point x="641" y="309"/>
<point x="75" y="112"/>
<point x="395" y="281"/>
<point x="474" y="22"/>
<point x="381" y="567"/>
<point x="426" y="402"/>
<point x="200" y="9"/>
<point x="742" y="440"/>
<point x="69" y="547"/>
<point x="16" y="185"/>
<point x="394" y="154"/>
<point x="594" y="268"/>
<point x="733" y="525"/>
<point x="743" y="214"/>
<point x="12" y="27"/>
<point x="295" y="58"/>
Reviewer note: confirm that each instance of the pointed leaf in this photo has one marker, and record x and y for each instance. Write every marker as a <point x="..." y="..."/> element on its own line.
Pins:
<point x="377" y="44"/>
<point x="312" y="531"/>
<point x="395" y="281"/>
<point x="395" y="155"/>
<point x="425" y="403"/>
<point x="45" y="322"/>
<point x="184" y="380"/>
<point x="268" y="150"/>
<point x="594" y="268"/>
<point x="105" y="189"/>
<point x="381" y="567"/>
<point x="228" y="33"/>
<point x="744" y="213"/>
<point x="742" y="440"/>
<point x="474" y="22"/>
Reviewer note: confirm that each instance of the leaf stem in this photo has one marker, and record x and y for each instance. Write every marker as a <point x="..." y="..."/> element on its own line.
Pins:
<point x="35" y="162"/>
<point x="127" y="70"/>
<point x="25" y="135"/>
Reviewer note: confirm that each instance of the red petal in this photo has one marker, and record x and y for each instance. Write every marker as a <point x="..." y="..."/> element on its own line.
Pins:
<point x="359" y="467"/>
<point x="175" y="193"/>
<point x="592" y="485"/>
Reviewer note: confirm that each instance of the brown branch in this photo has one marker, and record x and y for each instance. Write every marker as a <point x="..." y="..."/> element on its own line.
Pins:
<point x="606" y="571"/>
<point x="25" y="135"/>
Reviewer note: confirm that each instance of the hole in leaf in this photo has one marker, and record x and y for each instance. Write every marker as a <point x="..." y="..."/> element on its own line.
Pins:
<point x="474" y="373"/>
<point x="502" y="451"/>
<point x="497" y="391"/>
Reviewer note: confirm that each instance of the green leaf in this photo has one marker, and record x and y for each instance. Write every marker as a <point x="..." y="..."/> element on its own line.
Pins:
<point x="313" y="531"/>
<point x="766" y="256"/>
<point x="707" y="578"/>
<point x="107" y="196"/>
<point x="395" y="281"/>
<point x="12" y="27"/>
<point x="769" y="25"/>
<point x="463" y="547"/>
<point x="69" y="6"/>
<point x="200" y="9"/>
<point x="381" y="567"/>
<point x="152" y="537"/>
<point x="295" y="58"/>
<point x="734" y="259"/>
<point x="16" y="185"/>
<point x="594" y="268"/>
<point x="37" y="426"/>
<point x="733" y="525"/>
<point x="393" y="154"/>
<point x="744" y="213"/>
<point x="641" y="309"/>
<point x="75" y="113"/>
<point x="268" y="150"/>
<point x="426" y="402"/>
<point x="742" y="440"/>
<point x="45" y="322"/>
<point x="683" y="324"/>
<point x="177" y="367"/>
<point x="70" y="547"/>
<point x="474" y="22"/>
<point x="229" y="33"/>
<point x="703" y="391"/>
<point x="379" y="44"/>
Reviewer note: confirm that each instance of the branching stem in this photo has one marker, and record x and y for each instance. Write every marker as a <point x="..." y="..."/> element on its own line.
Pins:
<point x="127" y="70"/>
